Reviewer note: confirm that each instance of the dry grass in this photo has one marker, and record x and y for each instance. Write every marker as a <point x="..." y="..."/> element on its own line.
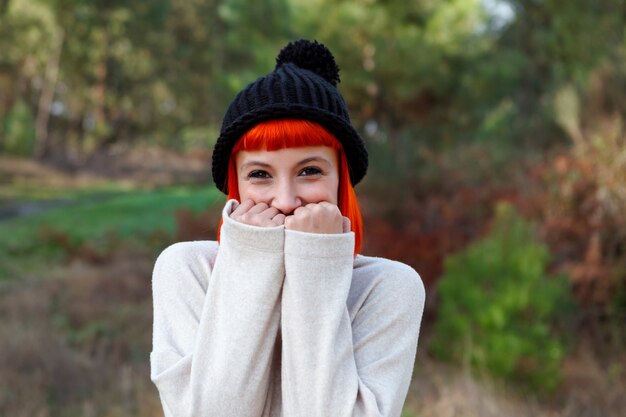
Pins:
<point x="441" y="391"/>
<point x="130" y="165"/>
<point x="77" y="343"/>
<point x="590" y="389"/>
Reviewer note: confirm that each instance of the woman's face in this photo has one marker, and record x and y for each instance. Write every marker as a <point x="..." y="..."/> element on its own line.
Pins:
<point x="288" y="178"/>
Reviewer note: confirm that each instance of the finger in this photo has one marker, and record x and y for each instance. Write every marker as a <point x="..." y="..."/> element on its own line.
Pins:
<point x="346" y="224"/>
<point x="270" y="212"/>
<point x="279" y="219"/>
<point x="288" y="222"/>
<point x="242" y="208"/>
<point x="258" y="208"/>
<point x="303" y="209"/>
<point x="326" y="207"/>
<point x="266" y="217"/>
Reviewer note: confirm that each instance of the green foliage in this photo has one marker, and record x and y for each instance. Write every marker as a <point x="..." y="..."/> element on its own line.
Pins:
<point x="497" y="306"/>
<point x="426" y="72"/>
<point x="19" y="134"/>
<point x="197" y="137"/>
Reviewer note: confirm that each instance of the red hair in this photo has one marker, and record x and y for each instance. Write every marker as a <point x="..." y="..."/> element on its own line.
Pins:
<point x="278" y="134"/>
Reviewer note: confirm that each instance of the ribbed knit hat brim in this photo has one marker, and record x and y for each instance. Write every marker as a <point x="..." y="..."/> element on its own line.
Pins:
<point x="289" y="92"/>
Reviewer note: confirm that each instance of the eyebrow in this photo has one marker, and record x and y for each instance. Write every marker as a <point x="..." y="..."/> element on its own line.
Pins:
<point x="302" y="162"/>
<point x="314" y="159"/>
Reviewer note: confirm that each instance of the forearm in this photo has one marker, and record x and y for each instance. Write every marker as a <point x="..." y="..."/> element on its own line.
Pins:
<point x="318" y="363"/>
<point x="335" y="364"/>
<point x="225" y="369"/>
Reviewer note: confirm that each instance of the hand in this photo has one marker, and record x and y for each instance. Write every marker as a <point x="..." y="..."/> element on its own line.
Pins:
<point x="320" y="217"/>
<point x="257" y="214"/>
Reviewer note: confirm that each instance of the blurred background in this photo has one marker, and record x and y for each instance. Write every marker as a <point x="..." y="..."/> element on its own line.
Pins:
<point x="498" y="171"/>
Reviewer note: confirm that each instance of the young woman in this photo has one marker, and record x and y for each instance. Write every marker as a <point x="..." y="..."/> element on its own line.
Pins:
<point x="283" y="317"/>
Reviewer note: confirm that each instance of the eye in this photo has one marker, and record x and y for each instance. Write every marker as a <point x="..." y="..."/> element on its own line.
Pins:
<point x="259" y="174"/>
<point x="309" y="171"/>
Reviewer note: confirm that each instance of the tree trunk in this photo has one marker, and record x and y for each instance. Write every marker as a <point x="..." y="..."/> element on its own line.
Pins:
<point x="46" y="98"/>
<point x="5" y="82"/>
<point x="99" y="111"/>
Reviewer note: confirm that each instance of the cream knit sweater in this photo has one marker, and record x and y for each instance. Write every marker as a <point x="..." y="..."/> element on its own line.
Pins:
<point x="277" y="322"/>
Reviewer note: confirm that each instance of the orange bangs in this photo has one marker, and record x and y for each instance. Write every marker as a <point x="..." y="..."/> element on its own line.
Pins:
<point x="273" y="135"/>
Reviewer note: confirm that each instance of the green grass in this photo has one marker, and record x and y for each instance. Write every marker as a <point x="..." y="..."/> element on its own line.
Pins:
<point x="407" y="413"/>
<point x="28" y="245"/>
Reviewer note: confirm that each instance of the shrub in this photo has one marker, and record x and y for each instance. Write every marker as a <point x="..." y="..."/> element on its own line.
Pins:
<point x="583" y="214"/>
<point x="497" y="306"/>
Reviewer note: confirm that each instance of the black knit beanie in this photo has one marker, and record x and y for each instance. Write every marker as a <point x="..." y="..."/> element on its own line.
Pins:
<point x="302" y="86"/>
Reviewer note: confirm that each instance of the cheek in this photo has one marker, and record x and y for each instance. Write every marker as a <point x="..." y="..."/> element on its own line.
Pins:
<point x="322" y="191"/>
<point x="256" y="193"/>
<point x="309" y="192"/>
<point x="246" y="192"/>
<point x="334" y="189"/>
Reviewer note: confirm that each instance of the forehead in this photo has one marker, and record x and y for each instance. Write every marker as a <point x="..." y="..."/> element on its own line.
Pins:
<point x="287" y="157"/>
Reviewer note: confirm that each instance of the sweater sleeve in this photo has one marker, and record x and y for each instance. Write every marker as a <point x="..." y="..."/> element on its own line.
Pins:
<point x="335" y="364"/>
<point x="213" y="342"/>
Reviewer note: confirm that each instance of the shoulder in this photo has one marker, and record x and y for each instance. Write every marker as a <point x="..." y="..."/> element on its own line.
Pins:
<point x="185" y="252"/>
<point x="384" y="279"/>
<point x="392" y="274"/>
<point x="185" y="261"/>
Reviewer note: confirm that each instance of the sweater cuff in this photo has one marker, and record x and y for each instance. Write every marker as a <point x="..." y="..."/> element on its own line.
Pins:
<point x="319" y="245"/>
<point x="262" y="239"/>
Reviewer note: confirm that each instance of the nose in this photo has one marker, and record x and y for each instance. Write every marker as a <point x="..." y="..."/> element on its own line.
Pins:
<point x="286" y="198"/>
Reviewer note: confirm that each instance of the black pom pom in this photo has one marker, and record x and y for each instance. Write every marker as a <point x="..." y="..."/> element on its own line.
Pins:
<point x="312" y="56"/>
